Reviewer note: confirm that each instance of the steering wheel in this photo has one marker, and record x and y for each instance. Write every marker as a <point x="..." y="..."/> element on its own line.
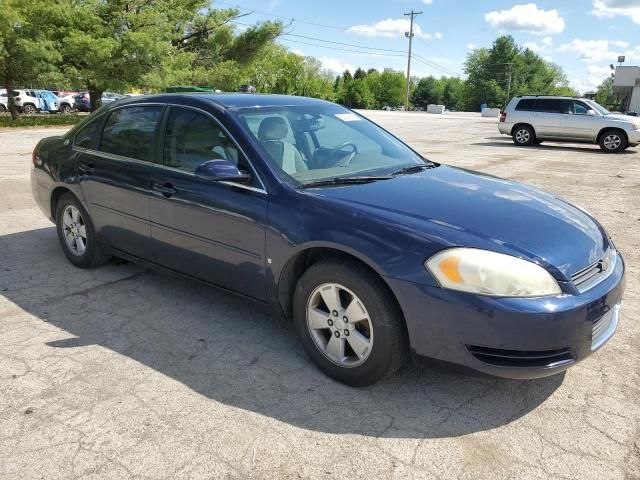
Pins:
<point x="341" y="147"/>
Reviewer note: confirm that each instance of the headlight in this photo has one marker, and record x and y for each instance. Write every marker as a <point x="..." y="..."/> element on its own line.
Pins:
<point x="490" y="273"/>
<point x="636" y="125"/>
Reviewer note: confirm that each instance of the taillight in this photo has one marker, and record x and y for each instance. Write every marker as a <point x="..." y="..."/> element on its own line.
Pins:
<point x="503" y="117"/>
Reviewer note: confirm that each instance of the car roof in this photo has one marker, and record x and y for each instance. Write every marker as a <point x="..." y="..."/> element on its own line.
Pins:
<point x="551" y="96"/>
<point x="230" y="101"/>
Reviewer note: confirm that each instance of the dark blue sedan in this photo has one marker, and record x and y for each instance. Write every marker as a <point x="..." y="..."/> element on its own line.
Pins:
<point x="372" y="251"/>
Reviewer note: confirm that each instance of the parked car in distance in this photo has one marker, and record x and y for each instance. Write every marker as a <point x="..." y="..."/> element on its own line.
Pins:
<point x="47" y="100"/>
<point x="371" y="250"/>
<point x="82" y="102"/>
<point x="532" y="119"/>
<point x="4" y="100"/>
<point x="67" y="103"/>
<point x="26" y="101"/>
<point x="108" y="97"/>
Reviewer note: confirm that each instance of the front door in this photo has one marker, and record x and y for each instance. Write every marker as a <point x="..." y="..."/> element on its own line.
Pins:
<point x="577" y="123"/>
<point x="213" y="231"/>
<point x="115" y="177"/>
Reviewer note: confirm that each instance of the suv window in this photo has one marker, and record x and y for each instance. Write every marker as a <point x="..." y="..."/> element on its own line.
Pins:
<point x="129" y="132"/>
<point x="549" y="105"/>
<point x="192" y="138"/>
<point x="85" y="135"/>
<point x="579" y="108"/>
<point x="526" y="105"/>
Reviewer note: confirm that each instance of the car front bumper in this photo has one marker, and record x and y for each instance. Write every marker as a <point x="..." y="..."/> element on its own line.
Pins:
<point x="634" y="137"/>
<point x="510" y="337"/>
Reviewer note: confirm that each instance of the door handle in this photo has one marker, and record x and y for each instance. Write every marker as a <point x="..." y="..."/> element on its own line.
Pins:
<point x="86" y="169"/>
<point x="165" y="189"/>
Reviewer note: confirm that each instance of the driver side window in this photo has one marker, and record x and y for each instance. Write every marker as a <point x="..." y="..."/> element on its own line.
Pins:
<point x="580" y="108"/>
<point x="192" y="138"/>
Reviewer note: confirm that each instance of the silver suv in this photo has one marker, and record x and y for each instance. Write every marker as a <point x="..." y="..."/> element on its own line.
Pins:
<point x="532" y="119"/>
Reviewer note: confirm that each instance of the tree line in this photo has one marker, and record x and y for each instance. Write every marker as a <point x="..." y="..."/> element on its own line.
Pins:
<point x="99" y="45"/>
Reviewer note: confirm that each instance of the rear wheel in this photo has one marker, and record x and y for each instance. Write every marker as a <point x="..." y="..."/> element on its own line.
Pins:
<point x="2" y="108"/>
<point x="523" y="135"/>
<point x="77" y="237"/>
<point x="65" y="108"/>
<point x="613" y="141"/>
<point x="349" y="323"/>
<point x="29" y="109"/>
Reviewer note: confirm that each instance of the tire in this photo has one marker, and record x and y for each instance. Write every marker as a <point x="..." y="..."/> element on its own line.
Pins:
<point x="379" y="335"/>
<point x="3" y="108"/>
<point x="537" y="142"/>
<point x="523" y="135"/>
<point x="77" y="237"/>
<point x="65" y="109"/>
<point x="613" y="141"/>
<point x="29" y="109"/>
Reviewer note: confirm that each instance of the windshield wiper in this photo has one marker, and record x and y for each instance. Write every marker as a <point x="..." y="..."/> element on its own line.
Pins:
<point x="345" y="181"/>
<point x="414" y="169"/>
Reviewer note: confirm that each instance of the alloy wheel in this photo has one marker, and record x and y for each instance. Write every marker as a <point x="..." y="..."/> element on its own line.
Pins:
<point x="522" y="136"/>
<point x="74" y="230"/>
<point x="340" y="325"/>
<point x="612" y="141"/>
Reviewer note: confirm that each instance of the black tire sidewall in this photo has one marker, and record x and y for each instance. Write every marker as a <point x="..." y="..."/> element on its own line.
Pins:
<point x="532" y="136"/>
<point x="86" y="259"/>
<point x="385" y="319"/>
<point x="623" y="142"/>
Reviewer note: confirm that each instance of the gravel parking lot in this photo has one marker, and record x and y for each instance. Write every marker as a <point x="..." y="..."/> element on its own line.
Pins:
<point x="120" y="372"/>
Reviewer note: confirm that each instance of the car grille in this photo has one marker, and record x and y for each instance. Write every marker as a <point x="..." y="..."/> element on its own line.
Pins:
<point x="521" y="358"/>
<point x="595" y="273"/>
<point x="604" y="327"/>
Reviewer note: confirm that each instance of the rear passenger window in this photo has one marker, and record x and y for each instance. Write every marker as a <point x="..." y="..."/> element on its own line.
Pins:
<point x="129" y="132"/>
<point x="84" y="137"/>
<point x="526" y="105"/>
<point x="549" y="105"/>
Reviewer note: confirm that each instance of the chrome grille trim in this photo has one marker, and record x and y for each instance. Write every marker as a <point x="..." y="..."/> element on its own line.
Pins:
<point x="595" y="273"/>
<point x="604" y="327"/>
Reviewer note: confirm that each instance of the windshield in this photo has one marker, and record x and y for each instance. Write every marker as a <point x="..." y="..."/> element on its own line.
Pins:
<point x="312" y="143"/>
<point x="598" y="108"/>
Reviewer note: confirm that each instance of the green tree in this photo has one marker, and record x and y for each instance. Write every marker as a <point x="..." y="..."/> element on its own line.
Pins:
<point x="387" y="87"/>
<point x="426" y="92"/>
<point x="25" y="48"/>
<point x="604" y="94"/>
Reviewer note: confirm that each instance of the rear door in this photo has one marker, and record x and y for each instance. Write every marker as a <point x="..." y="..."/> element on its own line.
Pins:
<point x="115" y="177"/>
<point x="214" y="231"/>
<point x="577" y="124"/>
<point x="547" y="116"/>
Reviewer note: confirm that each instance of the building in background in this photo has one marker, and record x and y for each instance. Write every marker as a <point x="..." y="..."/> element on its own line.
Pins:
<point x="626" y="87"/>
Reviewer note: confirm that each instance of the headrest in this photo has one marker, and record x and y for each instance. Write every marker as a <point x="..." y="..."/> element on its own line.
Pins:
<point x="273" y="128"/>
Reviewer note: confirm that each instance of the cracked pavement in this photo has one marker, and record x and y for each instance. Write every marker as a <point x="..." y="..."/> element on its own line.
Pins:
<point x="121" y="372"/>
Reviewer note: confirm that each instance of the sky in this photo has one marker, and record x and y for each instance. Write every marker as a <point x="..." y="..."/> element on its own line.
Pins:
<point x="582" y="36"/>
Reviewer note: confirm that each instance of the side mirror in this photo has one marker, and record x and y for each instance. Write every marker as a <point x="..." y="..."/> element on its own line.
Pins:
<point x="591" y="112"/>
<point x="220" y="170"/>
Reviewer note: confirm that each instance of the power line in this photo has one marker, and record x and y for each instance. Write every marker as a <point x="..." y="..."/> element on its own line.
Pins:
<point x="342" y="43"/>
<point x="435" y="65"/>
<point x="344" y="49"/>
<point x="291" y="19"/>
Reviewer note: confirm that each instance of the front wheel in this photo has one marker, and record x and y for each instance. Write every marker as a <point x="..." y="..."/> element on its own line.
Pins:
<point x="29" y="109"/>
<point x="523" y="135"/>
<point x="349" y="323"/>
<point x="76" y="234"/>
<point x="65" y="109"/>
<point x="613" y="141"/>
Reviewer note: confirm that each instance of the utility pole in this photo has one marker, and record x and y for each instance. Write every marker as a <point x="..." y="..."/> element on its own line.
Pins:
<point x="508" y="83"/>
<point x="409" y="34"/>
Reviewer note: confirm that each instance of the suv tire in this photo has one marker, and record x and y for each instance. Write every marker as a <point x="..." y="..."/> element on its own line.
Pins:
<point x="375" y="328"/>
<point x="523" y="135"/>
<point x="613" y="141"/>
<point x="29" y="109"/>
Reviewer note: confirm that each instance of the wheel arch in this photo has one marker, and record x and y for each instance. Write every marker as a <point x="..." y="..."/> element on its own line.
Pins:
<point x="523" y="124"/>
<point x="302" y="260"/>
<point x="604" y="130"/>
<point x="55" y="197"/>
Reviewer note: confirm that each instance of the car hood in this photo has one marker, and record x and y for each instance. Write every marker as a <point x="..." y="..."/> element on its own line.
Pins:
<point x="618" y="117"/>
<point x="486" y="212"/>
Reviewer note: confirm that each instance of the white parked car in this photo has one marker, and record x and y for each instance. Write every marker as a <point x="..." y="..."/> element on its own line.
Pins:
<point x="4" y="100"/>
<point x="67" y="103"/>
<point x="26" y="101"/>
